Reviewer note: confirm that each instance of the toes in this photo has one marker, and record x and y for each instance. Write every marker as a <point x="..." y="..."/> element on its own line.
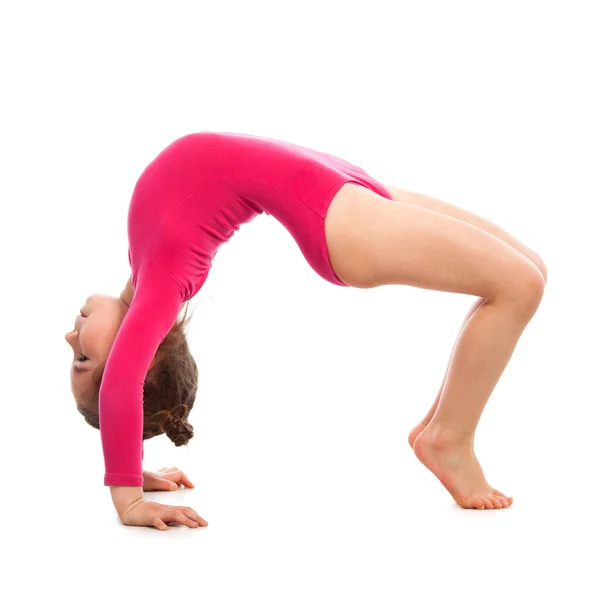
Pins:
<point x="491" y="502"/>
<point x="507" y="498"/>
<point x="487" y="502"/>
<point x="503" y="501"/>
<point x="495" y="502"/>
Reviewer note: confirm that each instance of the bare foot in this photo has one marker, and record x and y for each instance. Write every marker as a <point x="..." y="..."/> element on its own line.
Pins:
<point x="416" y="431"/>
<point x="460" y="473"/>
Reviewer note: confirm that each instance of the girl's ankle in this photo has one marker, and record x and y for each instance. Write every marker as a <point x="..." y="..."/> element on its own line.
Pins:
<point x="447" y="438"/>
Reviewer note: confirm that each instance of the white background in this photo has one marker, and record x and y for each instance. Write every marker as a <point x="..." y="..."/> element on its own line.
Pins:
<point x="307" y="390"/>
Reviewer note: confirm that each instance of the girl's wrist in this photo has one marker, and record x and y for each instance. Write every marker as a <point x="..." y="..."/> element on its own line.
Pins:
<point x="125" y="496"/>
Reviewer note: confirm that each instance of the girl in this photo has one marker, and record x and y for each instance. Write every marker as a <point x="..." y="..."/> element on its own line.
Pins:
<point x="133" y="376"/>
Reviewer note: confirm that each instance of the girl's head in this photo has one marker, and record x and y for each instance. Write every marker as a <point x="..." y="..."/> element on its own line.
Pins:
<point x="171" y="382"/>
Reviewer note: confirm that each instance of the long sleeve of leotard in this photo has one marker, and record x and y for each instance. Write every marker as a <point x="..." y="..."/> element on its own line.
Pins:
<point x="153" y="311"/>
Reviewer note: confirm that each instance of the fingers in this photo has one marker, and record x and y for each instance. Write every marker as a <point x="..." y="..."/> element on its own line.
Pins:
<point x="158" y="523"/>
<point x="177" y="476"/>
<point x="177" y="516"/>
<point x="157" y="515"/>
<point x="185" y="480"/>
<point x="192" y="514"/>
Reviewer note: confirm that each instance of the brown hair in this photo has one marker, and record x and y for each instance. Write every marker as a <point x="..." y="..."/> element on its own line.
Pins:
<point x="169" y="389"/>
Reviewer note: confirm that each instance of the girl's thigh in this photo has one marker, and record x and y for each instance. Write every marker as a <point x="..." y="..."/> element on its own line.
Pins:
<point x="452" y="210"/>
<point x="372" y="241"/>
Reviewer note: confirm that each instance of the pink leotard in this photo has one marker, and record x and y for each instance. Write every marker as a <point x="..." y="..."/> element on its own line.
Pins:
<point x="188" y="201"/>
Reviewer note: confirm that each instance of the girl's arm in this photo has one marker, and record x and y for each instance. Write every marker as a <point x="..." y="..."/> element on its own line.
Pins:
<point x="153" y="311"/>
<point x="124" y="496"/>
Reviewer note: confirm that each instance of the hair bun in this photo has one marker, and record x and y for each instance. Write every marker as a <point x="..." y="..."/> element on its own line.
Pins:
<point x="175" y="424"/>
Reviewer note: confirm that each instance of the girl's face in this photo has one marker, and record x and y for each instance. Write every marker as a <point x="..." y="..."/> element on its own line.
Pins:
<point x="93" y="335"/>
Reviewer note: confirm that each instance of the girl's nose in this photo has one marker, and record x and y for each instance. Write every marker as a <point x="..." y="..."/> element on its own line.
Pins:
<point x="70" y="335"/>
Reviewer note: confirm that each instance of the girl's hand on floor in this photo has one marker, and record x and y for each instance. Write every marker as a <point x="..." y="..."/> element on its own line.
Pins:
<point x="153" y="514"/>
<point x="167" y="478"/>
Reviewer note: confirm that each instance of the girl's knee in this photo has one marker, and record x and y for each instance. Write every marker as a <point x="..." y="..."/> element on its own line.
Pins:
<point x="541" y="265"/>
<point x="525" y="291"/>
